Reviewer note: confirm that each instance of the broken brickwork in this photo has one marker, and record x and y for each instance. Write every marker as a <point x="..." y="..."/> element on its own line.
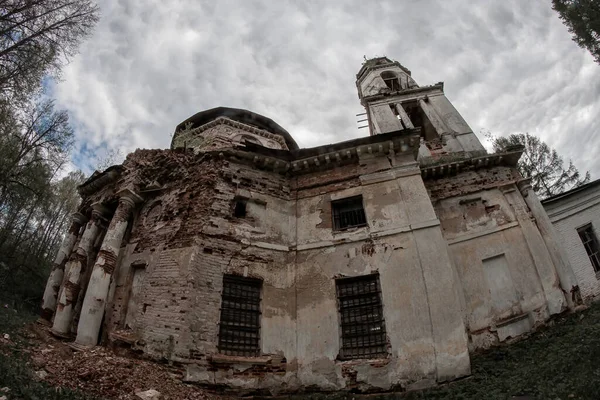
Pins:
<point x="452" y="241"/>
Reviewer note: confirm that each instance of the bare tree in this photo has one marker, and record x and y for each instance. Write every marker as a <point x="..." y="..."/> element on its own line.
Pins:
<point x="36" y="138"/>
<point x="36" y="36"/>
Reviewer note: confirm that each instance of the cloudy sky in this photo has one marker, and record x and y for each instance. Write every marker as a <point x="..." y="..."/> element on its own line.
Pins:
<point x="508" y="67"/>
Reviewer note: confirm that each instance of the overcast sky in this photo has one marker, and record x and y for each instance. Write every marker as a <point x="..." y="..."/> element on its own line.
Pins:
<point x="508" y="67"/>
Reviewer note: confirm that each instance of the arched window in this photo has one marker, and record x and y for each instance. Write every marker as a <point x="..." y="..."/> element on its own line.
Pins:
<point x="391" y="80"/>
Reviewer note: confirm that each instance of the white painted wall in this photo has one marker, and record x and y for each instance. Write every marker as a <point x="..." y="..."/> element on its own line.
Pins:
<point x="567" y="215"/>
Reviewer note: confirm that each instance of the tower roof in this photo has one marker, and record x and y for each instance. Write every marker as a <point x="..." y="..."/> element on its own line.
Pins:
<point x="379" y="62"/>
<point x="240" y="115"/>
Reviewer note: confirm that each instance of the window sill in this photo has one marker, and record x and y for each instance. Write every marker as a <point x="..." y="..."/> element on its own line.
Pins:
<point x="224" y="359"/>
<point x="378" y="361"/>
<point x="350" y="228"/>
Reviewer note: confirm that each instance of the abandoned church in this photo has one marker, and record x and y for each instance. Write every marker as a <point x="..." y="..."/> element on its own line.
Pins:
<point x="372" y="264"/>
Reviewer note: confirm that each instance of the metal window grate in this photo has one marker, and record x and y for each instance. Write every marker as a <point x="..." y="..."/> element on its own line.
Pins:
<point x="587" y="236"/>
<point x="363" y="326"/>
<point x="239" y="330"/>
<point x="348" y="213"/>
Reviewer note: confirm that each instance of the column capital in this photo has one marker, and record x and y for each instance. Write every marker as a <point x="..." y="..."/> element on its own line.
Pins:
<point x="130" y="197"/>
<point x="524" y="186"/>
<point x="79" y="218"/>
<point x="100" y="211"/>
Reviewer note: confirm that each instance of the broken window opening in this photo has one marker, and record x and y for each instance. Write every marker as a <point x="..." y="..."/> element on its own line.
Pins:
<point x="362" y="322"/>
<point x="348" y="213"/>
<point x="398" y="116"/>
<point x="391" y="81"/>
<point x="250" y="139"/>
<point x="239" y="329"/>
<point x="239" y="210"/>
<point x="590" y="242"/>
<point x="419" y="119"/>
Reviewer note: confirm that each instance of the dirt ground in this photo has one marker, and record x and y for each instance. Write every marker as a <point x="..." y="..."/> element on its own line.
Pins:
<point x="559" y="361"/>
<point x="98" y="372"/>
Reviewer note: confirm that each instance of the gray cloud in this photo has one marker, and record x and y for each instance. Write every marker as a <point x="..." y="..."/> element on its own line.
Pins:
<point x="507" y="66"/>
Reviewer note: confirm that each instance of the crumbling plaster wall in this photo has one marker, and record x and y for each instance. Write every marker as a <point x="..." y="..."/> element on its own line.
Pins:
<point x="178" y="313"/>
<point x="403" y="243"/>
<point x="186" y="238"/>
<point x="508" y="281"/>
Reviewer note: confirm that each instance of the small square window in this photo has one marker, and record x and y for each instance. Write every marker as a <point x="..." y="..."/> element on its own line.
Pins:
<point x="240" y="208"/>
<point x="590" y="242"/>
<point x="361" y="312"/>
<point x="348" y="213"/>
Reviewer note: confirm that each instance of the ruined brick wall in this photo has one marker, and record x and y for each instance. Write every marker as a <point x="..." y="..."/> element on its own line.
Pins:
<point x="178" y="308"/>
<point x="186" y="237"/>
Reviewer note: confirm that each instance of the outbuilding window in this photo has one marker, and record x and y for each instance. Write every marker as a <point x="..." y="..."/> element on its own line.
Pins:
<point x="361" y="313"/>
<point x="590" y="242"/>
<point x="239" y="330"/>
<point x="348" y="213"/>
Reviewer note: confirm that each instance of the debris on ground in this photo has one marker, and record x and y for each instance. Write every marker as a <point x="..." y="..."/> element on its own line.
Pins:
<point x="149" y="395"/>
<point x="101" y="372"/>
<point x="41" y="374"/>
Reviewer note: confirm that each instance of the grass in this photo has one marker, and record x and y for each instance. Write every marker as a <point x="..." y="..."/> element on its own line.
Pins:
<point x="16" y="373"/>
<point x="560" y="361"/>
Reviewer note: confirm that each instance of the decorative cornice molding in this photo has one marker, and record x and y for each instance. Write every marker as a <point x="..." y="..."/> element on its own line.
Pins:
<point x="403" y="92"/>
<point x="235" y="124"/>
<point x="453" y="167"/>
<point x="331" y="159"/>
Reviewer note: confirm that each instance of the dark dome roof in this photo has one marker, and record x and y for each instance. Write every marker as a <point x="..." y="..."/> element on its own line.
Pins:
<point x="243" y="116"/>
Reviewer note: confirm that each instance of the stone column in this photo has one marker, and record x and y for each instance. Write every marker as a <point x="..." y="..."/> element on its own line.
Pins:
<point x="567" y="278"/>
<point x="58" y="267"/>
<point x="94" y="302"/>
<point x="439" y="125"/>
<point x="404" y="116"/>
<point x="78" y="265"/>
<point x="555" y="298"/>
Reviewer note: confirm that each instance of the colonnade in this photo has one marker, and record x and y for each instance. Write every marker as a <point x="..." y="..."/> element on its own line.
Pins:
<point x="72" y="285"/>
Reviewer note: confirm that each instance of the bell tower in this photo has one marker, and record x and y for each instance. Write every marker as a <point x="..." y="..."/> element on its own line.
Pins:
<point x="394" y="102"/>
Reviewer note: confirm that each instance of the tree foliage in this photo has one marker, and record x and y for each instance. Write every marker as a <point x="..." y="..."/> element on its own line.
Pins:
<point x="542" y="164"/>
<point x="582" y="18"/>
<point x="36" y="36"/>
<point x="35" y="207"/>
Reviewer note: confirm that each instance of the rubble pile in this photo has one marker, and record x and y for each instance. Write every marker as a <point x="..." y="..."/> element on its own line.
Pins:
<point x="106" y="373"/>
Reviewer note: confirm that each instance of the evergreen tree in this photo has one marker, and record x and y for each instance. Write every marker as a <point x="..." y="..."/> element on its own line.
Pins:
<point x="542" y="164"/>
<point x="582" y="18"/>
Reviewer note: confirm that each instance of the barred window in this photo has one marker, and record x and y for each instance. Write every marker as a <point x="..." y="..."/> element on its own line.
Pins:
<point x="239" y="330"/>
<point x="588" y="237"/>
<point x="348" y="213"/>
<point x="363" y="326"/>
